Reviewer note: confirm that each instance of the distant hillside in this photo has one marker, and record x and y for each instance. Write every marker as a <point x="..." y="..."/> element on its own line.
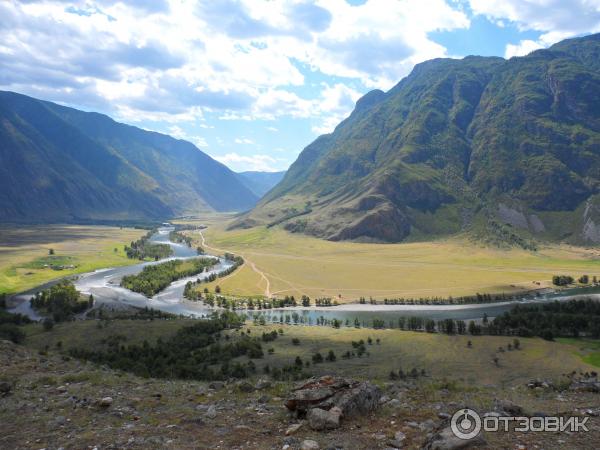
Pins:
<point x="260" y="182"/>
<point x="61" y="164"/>
<point x="509" y="149"/>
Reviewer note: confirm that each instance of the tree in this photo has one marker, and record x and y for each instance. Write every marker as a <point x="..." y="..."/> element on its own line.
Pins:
<point x="48" y="324"/>
<point x="305" y="301"/>
<point x="51" y="252"/>
<point x="298" y="362"/>
<point x="217" y="289"/>
<point x="317" y="358"/>
<point x="517" y="344"/>
<point x="331" y="356"/>
<point x="584" y="279"/>
<point x="469" y="344"/>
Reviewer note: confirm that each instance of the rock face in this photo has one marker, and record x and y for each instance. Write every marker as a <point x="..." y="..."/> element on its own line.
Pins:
<point x="321" y="419"/>
<point x="325" y="400"/>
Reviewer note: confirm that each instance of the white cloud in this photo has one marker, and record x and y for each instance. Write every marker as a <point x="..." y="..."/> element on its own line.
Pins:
<point x="176" y="60"/>
<point x="243" y="141"/>
<point x="237" y="162"/>
<point x="273" y="129"/>
<point x="178" y="133"/>
<point x="555" y="19"/>
<point x="522" y="48"/>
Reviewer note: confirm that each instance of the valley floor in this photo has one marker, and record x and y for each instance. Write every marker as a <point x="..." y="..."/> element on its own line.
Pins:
<point x="282" y="263"/>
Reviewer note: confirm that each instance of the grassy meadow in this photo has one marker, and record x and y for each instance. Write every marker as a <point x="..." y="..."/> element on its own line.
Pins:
<point x="440" y="355"/>
<point x="24" y="252"/>
<point x="296" y="264"/>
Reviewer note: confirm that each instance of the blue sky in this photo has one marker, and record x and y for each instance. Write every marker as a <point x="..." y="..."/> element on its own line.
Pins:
<point x="252" y="82"/>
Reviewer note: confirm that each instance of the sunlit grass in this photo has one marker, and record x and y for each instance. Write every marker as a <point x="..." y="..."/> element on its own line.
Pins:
<point x="25" y="250"/>
<point x="296" y="264"/>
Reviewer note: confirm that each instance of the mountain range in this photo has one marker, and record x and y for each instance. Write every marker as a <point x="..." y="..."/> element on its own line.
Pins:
<point x="508" y="149"/>
<point x="62" y="164"/>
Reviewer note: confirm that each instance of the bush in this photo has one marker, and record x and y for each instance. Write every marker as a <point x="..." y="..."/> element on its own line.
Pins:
<point x="48" y="324"/>
<point x="11" y="332"/>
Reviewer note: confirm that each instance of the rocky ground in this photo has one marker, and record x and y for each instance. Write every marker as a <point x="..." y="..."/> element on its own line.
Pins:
<point x="51" y="402"/>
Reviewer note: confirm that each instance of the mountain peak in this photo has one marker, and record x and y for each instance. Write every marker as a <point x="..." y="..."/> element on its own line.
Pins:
<point x="451" y="142"/>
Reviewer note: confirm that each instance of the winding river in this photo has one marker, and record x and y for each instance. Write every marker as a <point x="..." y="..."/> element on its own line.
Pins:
<point x="104" y="285"/>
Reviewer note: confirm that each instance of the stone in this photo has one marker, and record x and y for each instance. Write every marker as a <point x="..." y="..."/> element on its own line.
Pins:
<point x="321" y="419"/>
<point x="394" y="403"/>
<point x="399" y="436"/>
<point x="245" y="386"/>
<point x="446" y="440"/>
<point x="352" y="397"/>
<point x="5" y="387"/>
<point x="309" y="444"/>
<point x="263" y="383"/>
<point x="293" y="428"/>
<point x="216" y="385"/>
<point x="211" y="412"/>
<point x="105" y="402"/>
<point x="427" y="425"/>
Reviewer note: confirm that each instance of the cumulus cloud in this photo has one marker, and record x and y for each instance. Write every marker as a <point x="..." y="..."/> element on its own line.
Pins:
<point x="262" y="163"/>
<point x="143" y="59"/>
<point x="522" y="48"/>
<point x="555" y="19"/>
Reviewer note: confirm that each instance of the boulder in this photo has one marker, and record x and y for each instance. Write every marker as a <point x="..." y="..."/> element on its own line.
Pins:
<point x="350" y="396"/>
<point x="585" y="385"/>
<point x="105" y="402"/>
<point x="321" y="419"/>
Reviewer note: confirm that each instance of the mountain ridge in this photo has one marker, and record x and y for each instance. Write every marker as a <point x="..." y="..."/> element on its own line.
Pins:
<point x="59" y="163"/>
<point x="442" y="150"/>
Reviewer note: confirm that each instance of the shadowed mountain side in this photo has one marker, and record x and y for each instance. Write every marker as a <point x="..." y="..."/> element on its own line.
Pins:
<point x="60" y="164"/>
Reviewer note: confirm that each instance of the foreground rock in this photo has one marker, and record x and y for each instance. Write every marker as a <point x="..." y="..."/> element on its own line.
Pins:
<point x="321" y="419"/>
<point x="324" y="401"/>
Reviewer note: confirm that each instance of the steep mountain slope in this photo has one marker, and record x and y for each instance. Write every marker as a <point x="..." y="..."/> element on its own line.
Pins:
<point x="59" y="163"/>
<point x="510" y="147"/>
<point x="260" y="182"/>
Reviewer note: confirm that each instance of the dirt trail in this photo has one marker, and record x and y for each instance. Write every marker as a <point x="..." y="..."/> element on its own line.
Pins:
<point x="246" y="260"/>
